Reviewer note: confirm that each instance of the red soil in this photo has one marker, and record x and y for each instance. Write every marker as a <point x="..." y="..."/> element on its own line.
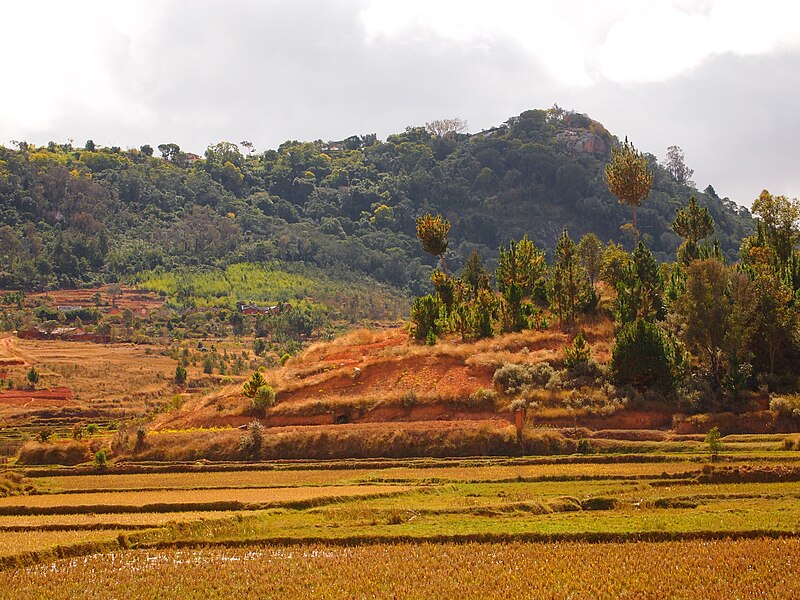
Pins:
<point x="49" y="398"/>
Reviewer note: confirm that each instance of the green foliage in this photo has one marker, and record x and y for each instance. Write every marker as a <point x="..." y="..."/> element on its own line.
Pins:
<point x="643" y="355"/>
<point x="577" y="353"/>
<point x="32" y="377"/>
<point x="693" y="223"/>
<point x="250" y="387"/>
<point x="628" y="177"/>
<point x="713" y="442"/>
<point x="432" y="233"/>
<point x="259" y="346"/>
<point x="180" y="375"/>
<point x="262" y="400"/>
<point x="92" y="429"/>
<point x="100" y="459"/>
<point x="424" y="315"/>
<point x="568" y="284"/>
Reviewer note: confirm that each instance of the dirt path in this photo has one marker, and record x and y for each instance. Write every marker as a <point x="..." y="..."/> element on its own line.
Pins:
<point x="11" y="355"/>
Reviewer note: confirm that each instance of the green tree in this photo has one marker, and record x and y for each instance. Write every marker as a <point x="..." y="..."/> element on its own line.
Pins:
<point x="713" y="442"/>
<point x="250" y="387"/>
<point x="578" y="352"/>
<point x="424" y="316"/>
<point x="629" y="177"/>
<point x="262" y="400"/>
<point x="472" y="273"/>
<point x="643" y="355"/>
<point x="693" y="223"/>
<point x="33" y="377"/>
<point x="779" y="216"/>
<point x="432" y="233"/>
<point x="568" y="281"/>
<point x="180" y="375"/>
<point x="590" y="251"/>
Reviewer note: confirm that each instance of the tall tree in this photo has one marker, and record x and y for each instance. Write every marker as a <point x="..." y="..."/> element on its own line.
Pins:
<point x="590" y="251"/>
<point x="568" y="281"/>
<point x="628" y="177"/>
<point x="693" y="223"/>
<point x="676" y="166"/>
<point x="432" y="233"/>
<point x="779" y="216"/>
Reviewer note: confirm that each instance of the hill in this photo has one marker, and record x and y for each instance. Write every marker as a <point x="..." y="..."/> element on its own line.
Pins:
<point x="75" y="217"/>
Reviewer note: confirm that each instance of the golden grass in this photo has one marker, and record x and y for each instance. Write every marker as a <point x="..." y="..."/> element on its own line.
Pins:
<point x="227" y="479"/>
<point x="17" y="542"/>
<point x="134" y="499"/>
<point x="757" y="568"/>
<point x="123" y="520"/>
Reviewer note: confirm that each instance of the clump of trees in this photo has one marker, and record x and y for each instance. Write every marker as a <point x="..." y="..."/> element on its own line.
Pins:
<point x="699" y="330"/>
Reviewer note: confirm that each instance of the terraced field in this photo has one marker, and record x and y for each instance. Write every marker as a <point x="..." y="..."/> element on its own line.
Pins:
<point x="452" y="525"/>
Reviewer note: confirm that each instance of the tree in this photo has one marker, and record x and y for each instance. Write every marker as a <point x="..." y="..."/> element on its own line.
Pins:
<point x="522" y="264"/>
<point x="779" y="216"/>
<point x="169" y="152"/>
<point x="628" y="177"/>
<point x="180" y="375"/>
<point x="693" y="223"/>
<point x="590" y="251"/>
<point x="643" y="355"/>
<point x="775" y="316"/>
<point x="147" y="150"/>
<point x="250" y="387"/>
<point x="444" y="127"/>
<point x="33" y="377"/>
<point x="472" y="273"/>
<point x="432" y="233"/>
<point x="714" y="443"/>
<point x="716" y="311"/>
<point x="262" y="400"/>
<point x="568" y="281"/>
<point x="676" y="166"/>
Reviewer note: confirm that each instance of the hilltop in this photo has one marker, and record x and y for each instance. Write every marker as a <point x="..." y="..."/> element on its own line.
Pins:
<point x="345" y="210"/>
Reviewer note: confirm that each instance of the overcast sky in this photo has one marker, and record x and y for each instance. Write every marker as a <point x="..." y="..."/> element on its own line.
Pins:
<point x="720" y="78"/>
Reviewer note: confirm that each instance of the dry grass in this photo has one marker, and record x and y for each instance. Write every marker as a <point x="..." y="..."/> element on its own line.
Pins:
<point x="757" y="568"/>
<point x="17" y="542"/>
<point x="103" y="501"/>
<point x="228" y="479"/>
<point x="120" y="520"/>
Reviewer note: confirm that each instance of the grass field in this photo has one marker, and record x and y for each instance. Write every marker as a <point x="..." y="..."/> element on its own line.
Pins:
<point x="665" y="524"/>
<point x="756" y="568"/>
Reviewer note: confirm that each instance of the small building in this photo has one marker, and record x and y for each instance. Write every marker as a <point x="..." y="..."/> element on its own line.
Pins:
<point x="254" y="309"/>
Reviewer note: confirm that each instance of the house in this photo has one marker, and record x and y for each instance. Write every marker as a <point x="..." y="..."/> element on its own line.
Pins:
<point x="254" y="309"/>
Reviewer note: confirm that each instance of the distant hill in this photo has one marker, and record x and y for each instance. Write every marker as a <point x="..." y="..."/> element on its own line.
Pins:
<point x="78" y="216"/>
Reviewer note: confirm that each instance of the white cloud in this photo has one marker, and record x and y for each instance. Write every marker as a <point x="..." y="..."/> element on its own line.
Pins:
<point x="581" y="42"/>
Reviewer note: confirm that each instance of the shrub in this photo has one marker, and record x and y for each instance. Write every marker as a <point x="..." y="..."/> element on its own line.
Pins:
<point x="180" y="375"/>
<point x="100" y="458"/>
<point x="511" y="378"/>
<point x="714" y="445"/>
<point x="253" y="440"/>
<point x="424" y="312"/>
<point x="33" y="377"/>
<point x="250" y="387"/>
<point x="785" y="406"/>
<point x="482" y="397"/>
<point x="643" y="355"/>
<point x="262" y="400"/>
<point x="541" y="373"/>
<point x="284" y="358"/>
<point x="92" y="429"/>
<point x="259" y="346"/>
<point x="577" y="353"/>
<point x="69" y="453"/>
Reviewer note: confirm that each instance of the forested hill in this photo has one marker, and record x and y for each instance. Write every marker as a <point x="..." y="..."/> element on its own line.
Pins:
<point x="74" y="216"/>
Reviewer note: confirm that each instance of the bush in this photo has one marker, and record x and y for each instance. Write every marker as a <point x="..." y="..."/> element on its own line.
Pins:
<point x="577" y="353"/>
<point x="785" y="406"/>
<point x="100" y="458"/>
<point x="643" y="355"/>
<point x="262" y="400"/>
<point x="250" y="387"/>
<point x="180" y="375"/>
<point x="63" y="453"/>
<point x="482" y="397"/>
<point x="33" y="377"/>
<point x="253" y="440"/>
<point x="511" y="378"/>
<point x="92" y="429"/>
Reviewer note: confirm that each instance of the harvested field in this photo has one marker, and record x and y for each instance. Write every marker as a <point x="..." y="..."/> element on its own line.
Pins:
<point x="32" y="399"/>
<point x="88" y="521"/>
<point x="18" y="542"/>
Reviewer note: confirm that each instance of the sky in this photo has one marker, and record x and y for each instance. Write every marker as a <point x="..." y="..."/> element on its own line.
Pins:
<point x="719" y="78"/>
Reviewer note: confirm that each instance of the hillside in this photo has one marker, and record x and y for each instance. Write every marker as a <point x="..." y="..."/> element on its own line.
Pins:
<point x="74" y="216"/>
